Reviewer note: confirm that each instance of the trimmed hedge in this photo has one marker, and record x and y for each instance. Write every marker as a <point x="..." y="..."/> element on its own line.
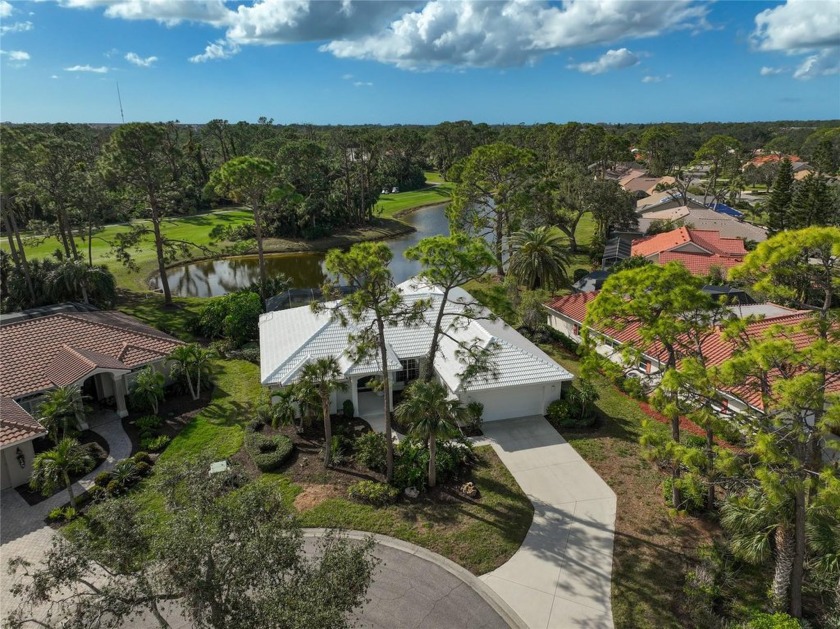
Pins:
<point x="268" y="453"/>
<point x="373" y="493"/>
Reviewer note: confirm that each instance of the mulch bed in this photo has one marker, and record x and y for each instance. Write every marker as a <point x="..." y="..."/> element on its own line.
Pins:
<point x="98" y="447"/>
<point x="177" y="411"/>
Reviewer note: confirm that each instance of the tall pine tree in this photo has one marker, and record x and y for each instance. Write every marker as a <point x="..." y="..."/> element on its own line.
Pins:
<point x="781" y="195"/>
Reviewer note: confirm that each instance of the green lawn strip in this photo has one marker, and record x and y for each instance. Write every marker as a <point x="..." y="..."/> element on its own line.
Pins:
<point x="433" y="177"/>
<point x="479" y="536"/>
<point x="177" y="321"/>
<point x="390" y="205"/>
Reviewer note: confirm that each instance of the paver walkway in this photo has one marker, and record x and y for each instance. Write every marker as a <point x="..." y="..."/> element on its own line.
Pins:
<point x="22" y="529"/>
<point x="561" y="575"/>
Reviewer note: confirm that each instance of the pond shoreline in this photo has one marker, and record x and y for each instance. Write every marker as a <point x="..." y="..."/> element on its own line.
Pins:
<point x="380" y="229"/>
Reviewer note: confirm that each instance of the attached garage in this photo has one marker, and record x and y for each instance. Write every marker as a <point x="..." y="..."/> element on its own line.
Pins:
<point x="516" y="401"/>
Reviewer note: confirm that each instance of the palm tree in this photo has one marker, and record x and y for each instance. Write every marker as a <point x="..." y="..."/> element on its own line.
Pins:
<point x="52" y="468"/>
<point x="61" y="406"/>
<point x="148" y="387"/>
<point x="192" y="361"/>
<point x="539" y="258"/>
<point x="431" y="415"/>
<point x="324" y="376"/>
<point x="760" y="528"/>
<point x="75" y="275"/>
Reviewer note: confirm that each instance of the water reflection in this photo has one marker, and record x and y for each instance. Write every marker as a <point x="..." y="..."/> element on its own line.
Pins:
<point x="306" y="270"/>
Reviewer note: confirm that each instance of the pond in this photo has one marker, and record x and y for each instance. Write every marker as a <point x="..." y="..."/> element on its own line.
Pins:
<point x="209" y="278"/>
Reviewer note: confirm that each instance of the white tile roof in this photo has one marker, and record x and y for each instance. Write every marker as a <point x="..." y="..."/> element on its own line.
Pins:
<point x="290" y="338"/>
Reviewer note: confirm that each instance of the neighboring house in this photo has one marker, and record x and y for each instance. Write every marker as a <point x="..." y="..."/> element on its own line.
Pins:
<point x="566" y="314"/>
<point x="592" y="281"/>
<point x="97" y="350"/>
<point x="801" y="170"/>
<point x="18" y="430"/>
<point x="761" y="160"/>
<point x="698" y="250"/>
<point x="527" y="378"/>
<point x="665" y="200"/>
<point x="705" y="219"/>
<point x="640" y="185"/>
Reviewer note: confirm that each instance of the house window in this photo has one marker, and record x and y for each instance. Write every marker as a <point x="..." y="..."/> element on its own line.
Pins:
<point x="576" y="330"/>
<point x="724" y="404"/>
<point x="410" y="370"/>
<point x="645" y="365"/>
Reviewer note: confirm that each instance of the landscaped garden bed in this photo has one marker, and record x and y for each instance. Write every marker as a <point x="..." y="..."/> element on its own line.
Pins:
<point x="175" y="413"/>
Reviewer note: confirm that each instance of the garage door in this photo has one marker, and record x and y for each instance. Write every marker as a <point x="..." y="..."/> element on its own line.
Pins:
<point x="514" y="401"/>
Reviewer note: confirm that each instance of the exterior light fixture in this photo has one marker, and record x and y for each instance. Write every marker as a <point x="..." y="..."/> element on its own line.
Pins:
<point x="21" y="458"/>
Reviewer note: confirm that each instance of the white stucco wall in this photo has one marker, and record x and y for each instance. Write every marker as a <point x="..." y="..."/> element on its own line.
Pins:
<point x="11" y="473"/>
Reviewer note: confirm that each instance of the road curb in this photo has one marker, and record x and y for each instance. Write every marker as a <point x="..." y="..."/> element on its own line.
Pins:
<point x="468" y="578"/>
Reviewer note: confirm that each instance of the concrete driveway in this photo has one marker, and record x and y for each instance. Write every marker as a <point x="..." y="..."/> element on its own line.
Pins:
<point x="560" y="576"/>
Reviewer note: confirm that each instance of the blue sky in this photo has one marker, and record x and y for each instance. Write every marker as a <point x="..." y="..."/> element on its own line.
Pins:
<point x="419" y="61"/>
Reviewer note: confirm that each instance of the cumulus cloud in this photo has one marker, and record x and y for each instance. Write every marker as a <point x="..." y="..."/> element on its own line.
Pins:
<point x="420" y="33"/>
<point x="652" y="79"/>
<point x="801" y="27"/>
<point x="479" y="34"/>
<point x="5" y="8"/>
<point x="169" y="12"/>
<point x="143" y="62"/>
<point x="768" y="71"/>
<point x="16" y="57"/>
<point x="16" y="27"/>
<point x="219" y="49"/>
<point x="610" y="60"/>
<point x="87" y="68"/>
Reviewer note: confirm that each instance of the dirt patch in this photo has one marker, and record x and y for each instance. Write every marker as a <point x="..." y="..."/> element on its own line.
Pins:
<point x="313" y="495"/>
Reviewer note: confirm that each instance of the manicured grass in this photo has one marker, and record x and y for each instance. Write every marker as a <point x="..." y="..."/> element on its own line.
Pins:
<point x="479" y="535"/>
<point x="585" y="230"/>
<point x="433" y="177"/>
<point x="390" y="205"/>
<point x="177" y="321"/>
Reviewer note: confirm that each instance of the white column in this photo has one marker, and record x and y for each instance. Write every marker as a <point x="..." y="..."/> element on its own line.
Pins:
<point x="119" y="395"/>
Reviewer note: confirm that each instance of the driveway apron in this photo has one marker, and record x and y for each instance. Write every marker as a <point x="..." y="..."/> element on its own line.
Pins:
<point x="561" y="575"/>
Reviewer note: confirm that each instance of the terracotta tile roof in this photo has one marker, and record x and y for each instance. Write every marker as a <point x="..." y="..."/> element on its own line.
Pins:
<point x="37" y="350"/>
<point x="707" y="239"/>
<point x="697" y="263"/>
<point x="16" y="424"/>
<point x="773" y="157"/>
<point x="715" y="348"/>
<point x="70" y="364"/>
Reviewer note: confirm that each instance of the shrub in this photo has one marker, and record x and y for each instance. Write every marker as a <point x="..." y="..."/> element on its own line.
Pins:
<point x="62" y="514"/>
<point x="692" y="492"/>
<point x="125" y="472"/>
<point x="234" y="317"/>
<point x="579" y="274"/>
<point x="255" y="426"/>
<point x="371" y="492"/>
<point x="97" y="493"/>
<point x="633" y="387"/>
<point x="339" y="447"/>
<point x="347" y="409"/>
<point x="411" y="465"/>
<point x="155" y="444"/>
<point x="142" y="457"/>
<point x="268" y="453"/>
<point x="148" y="424"/>
<point x="371" y="450"/>
<point x="778" y="620"/>
<point x="143" y="468"/>
<point x="475" y="412"/>
<point x="114" y="488"/>
<point x="567" y="414"/>
<point x="102" y="479"/>
<point x="693" y="441"/>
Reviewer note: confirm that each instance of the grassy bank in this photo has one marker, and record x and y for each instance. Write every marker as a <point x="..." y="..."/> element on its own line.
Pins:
<point x="392" y="205"/>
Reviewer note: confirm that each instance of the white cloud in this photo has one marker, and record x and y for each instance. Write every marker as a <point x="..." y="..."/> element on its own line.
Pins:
<point x="220" y="49"/>
<point x="768" y="71"/>
<point x="87" y="68"/>
<point x="54" y="76"/>
<point x="169" y="12"/>
<point x="16" y="27"/>
<point x="17" y="58"/>
<point x="502" y="34"/>
<point x="363" y="84"/>
<point x="6" y="8"/>
<point x="610" y="60"/>
<point x="652" y="79"/>
<point x="143" y="62"/>
<point x="802" y="27"/>
<point x="347" y="77"/>
<point x="420" y="33"/>
<point x="824" y="63"/>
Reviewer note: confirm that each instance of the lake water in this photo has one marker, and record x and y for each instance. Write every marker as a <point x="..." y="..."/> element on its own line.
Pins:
<point x="209" y="278"/>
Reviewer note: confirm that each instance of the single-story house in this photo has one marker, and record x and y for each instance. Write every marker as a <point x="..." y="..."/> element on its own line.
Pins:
<point x="526" y="381"/>
<point x="98" y="351"/>
<point x="18" y="429"/>
<point x="696" y="249"/>
<point x="566" y="314"/>
<point x="704" y="219"/>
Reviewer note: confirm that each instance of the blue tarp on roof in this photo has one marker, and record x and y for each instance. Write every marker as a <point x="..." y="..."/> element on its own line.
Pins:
<point x="722" y="208"/>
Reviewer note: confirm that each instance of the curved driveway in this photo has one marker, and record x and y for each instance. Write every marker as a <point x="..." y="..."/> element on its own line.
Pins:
<point x="561" y="575"/>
